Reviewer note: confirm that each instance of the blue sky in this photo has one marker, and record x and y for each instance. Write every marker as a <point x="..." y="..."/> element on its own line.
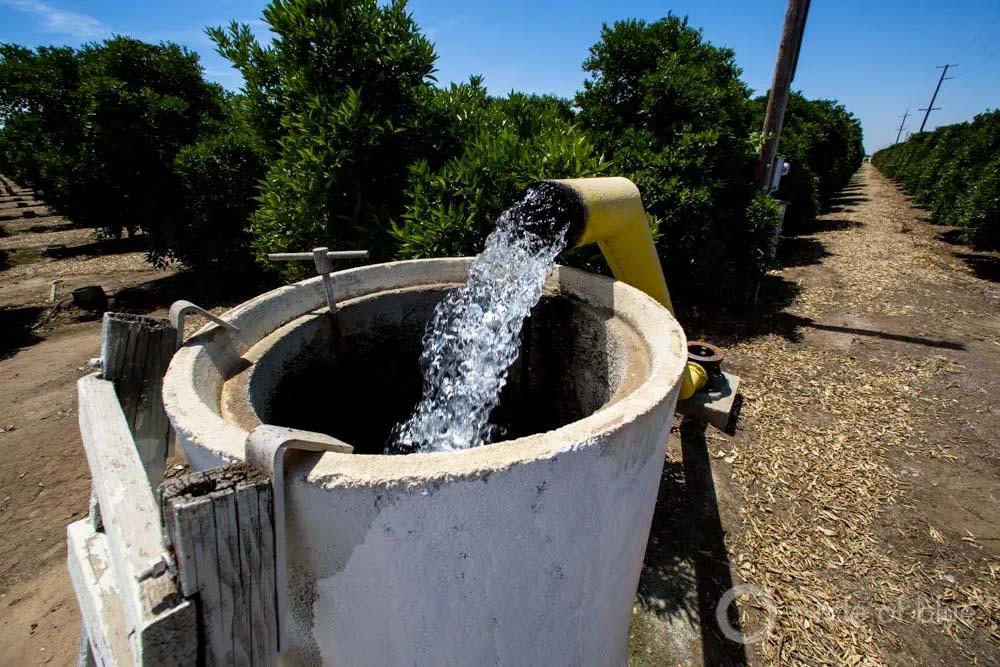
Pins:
<point x="877" y="58"/>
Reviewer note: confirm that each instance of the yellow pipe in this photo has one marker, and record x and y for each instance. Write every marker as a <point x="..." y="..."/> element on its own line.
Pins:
<point x="694" y="378"/>
<point x="615" y="219"/>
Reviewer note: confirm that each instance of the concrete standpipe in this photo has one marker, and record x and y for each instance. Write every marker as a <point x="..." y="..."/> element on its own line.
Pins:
<point x="526" y="551"/>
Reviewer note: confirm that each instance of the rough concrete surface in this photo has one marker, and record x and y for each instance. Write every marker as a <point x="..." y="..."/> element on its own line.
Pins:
<point x="520" y="552"/>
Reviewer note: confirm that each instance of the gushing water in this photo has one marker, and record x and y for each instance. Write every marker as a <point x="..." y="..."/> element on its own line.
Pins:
<point x="473" y="337"/>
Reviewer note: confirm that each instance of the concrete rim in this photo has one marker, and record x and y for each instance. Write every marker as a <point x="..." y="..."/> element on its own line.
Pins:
<point x="192" y="386"/>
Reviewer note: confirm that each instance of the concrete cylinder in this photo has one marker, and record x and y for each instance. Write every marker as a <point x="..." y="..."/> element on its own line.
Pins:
<point x="525" y="551"/>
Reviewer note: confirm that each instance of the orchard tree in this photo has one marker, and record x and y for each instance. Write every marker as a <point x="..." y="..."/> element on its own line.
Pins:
<point x="337" y="95"/>
<point x="501" y="146"/>
<point x="97" y="129"/>
<point x="41" y="118"/>
<point x="670" y="111"/>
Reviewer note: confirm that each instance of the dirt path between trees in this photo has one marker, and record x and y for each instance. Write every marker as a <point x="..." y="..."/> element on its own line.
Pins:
<point x="44" y="480"/>
<point x="860" y="496"/>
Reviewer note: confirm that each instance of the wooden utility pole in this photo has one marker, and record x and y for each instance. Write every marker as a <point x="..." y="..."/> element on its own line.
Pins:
<point x="901" y="125"/>
<point x="931" y="107"/>
<point x="784" y="72"/>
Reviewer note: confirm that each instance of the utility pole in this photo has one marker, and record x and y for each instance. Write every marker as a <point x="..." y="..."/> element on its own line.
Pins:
<point x="900" y="131"/>
<point x="931" y="107"/>
<point x="784" y="72"/>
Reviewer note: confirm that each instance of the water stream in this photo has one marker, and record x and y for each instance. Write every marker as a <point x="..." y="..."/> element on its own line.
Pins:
<point x="474" y="335"/>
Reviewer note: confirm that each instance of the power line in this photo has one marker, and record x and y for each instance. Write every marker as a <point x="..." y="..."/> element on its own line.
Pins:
<point x="931" y="107"/>
<point x="981" y="65"/>
<point x="978" y="35"/>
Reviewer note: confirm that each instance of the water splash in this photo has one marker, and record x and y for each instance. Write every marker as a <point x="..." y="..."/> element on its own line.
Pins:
<point x="474" y="335"/>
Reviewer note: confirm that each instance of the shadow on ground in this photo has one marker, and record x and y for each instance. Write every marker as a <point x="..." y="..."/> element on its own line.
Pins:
<point x="847" y="201"/>
<point x="99" y="248"/>
<point x="834" y="225"/>
<point x="727" y="325"/>
<point x="687" y="569"/>
<point x="984" y="266"/>
<point x="953" y="236"/>
<point x="199" y="288"/>
<point x="790" y="327"/>
<point x="15" y="329"/>
<point x="801" y="251"/>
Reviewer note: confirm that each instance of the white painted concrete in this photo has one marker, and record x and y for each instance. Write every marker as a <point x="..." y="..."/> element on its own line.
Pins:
<point x="517" y="553"/>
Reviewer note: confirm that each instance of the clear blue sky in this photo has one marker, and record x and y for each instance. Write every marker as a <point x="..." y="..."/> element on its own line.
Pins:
<point x="876" y="57"/>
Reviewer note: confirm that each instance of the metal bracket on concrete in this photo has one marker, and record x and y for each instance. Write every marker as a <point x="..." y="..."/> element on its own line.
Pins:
<point x="181" y="309"/>
<point x="713" y="404"/>
<point x="323" y="261"/>
<point x="265" y="450"/>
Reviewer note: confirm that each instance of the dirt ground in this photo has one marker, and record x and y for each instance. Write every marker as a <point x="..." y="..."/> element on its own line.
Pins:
<point x="44" y="481"/>
<point x="859" y="493"/>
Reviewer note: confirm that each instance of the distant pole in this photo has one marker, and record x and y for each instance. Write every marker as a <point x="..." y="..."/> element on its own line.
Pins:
<point x="900" y="131"/>
<point x="784" y="72"/>
<point x="931" y="107"/>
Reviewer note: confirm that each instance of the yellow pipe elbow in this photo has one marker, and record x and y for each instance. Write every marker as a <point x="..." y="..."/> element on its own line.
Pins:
<point x="694" y="378"/>
<point x="614" y="219"/>
<point x="616" y="222"/>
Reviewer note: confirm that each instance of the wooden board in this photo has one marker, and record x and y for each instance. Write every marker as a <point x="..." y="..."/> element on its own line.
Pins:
<point x="135" y="353"/>
<point x="220" y="523"/>
<point x="104" y="623"/>
<point x="161" y="624"/>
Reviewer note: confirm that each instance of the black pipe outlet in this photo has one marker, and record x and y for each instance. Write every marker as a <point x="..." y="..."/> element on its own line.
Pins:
<point x="548" y="207"/>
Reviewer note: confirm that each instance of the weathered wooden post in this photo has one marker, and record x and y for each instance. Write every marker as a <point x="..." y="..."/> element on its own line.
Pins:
<point x="220" y="524"/>
<point x="135" y="353"/>
<point x="131" y="610"/>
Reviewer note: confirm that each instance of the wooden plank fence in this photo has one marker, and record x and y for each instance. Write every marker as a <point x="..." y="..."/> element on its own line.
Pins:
<point x="183" y="575"/>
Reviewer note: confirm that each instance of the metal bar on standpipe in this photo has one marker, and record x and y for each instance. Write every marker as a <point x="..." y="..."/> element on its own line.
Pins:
<point x="331" y="254"/>
<point x="323" y="260"/>
<point x="323" y="267"/>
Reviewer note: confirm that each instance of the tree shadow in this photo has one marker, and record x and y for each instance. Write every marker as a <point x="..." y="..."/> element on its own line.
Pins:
<point x="14" y="214"/>
<point x="205" y="290"/>
<point x="844" y="201"/>
<point x="952" y="236"/>
<point x="801" y="251"/>
<point x="687" y="569"/>
<point x="53" y="227"/>
<point x="727" y="324"/>
<point x="15" y="329"/>
<point x="986" y="267"/>
<point x="98" y="248"/>
<point x="835" y="225"/>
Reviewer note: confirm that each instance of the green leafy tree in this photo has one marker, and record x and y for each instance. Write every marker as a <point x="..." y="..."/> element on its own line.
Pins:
<point x="98" y="130"/>
<point x="144" y="103"/>
<point x="338" y="95"/>
<point x="218" y="178"/>
<point x="501" y="145"/>
<point x="953" y="171"/>
<point x="670" y="112"/>
<point x="41" y="116"/>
